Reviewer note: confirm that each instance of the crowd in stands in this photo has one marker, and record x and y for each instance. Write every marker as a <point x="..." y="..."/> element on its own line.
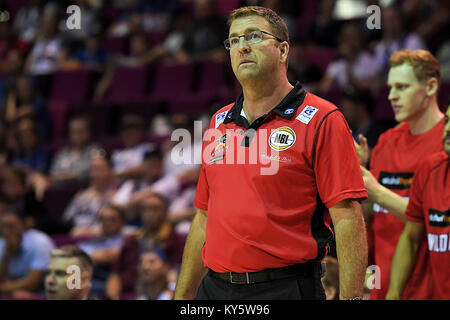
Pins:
<point x="86" y="117"/>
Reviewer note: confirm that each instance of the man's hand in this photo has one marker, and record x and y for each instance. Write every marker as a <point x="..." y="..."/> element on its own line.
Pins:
<point x="362" y="150"/>
<point x="371" y="184"/>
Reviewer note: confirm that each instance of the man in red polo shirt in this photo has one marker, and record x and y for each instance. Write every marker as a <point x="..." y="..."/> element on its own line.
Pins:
<point x="413" y="80"/>
<point x="273" y="163"/>
<point x="428" y="212"/>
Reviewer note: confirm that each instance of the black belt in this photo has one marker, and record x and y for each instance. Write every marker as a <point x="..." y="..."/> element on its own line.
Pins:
<point x="300" y="269"/>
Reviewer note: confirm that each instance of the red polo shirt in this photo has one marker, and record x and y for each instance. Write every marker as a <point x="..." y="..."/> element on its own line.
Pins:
<point x="394" y="161"/>
<point x="430" y="204"/>
<point x="269" y="211"/>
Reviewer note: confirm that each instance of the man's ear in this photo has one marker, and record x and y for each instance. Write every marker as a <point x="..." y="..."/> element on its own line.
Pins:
<point x="86" y="280"/>
<point x="432" y="86"/>
<point x="284" y="51"/>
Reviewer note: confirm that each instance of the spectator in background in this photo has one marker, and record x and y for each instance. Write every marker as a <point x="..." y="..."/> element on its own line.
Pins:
<point x="395" y="38"/>
<point x="156" y="232"/>
<point x="324" y="31"/>
<point x="72" y="163"/>
<point x="128" y="161"/>
<point x="57" y="276"/>
<point x="153" y="272"/>
<point x="3" y="147"/>
<point x="152" y="171"/>
<point x="24" y="100"/>
<point x="19" y="197"/>
<point x="91" y="21"/>
<point x="8" y="40"/>
<point x="357" y="107"/>
<point x="204" y="36"/>
<point x="82" y="212"/>
<point x="140" y="54"/>
<point x="32" y="155"/>
<point x="443" y="56"/>
<point x="355" y="67"/>
<point x="130" y="22"/>
<point x="308" y="74"/>
<point x="330" y="281"/>
<point x="28" y="20"/>
<point x="24" y="254"/>
<point x="429" y="18"/>
<point x="47" y="54"/>
<point x="158" y="14"/>
<point x="104" y="249"/>
<point x="89" y="56"/>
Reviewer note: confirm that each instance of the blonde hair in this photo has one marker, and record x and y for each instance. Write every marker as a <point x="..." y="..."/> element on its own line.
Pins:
<point x="424" y="64"/>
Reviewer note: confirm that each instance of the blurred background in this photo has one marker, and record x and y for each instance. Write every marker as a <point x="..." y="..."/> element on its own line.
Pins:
<point x="86" y="115"/>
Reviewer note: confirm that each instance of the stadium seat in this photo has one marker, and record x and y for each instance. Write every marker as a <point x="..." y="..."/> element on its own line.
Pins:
<point x="157" y="36"/>
<point x="173" y="80"/>
<point x="128" y="84"/>
<point x="56" y="199"/>
<point x="65" y="239"/>
<point x="59" y="110"/>
<point x="71" y="86"/>
<point x="115" y="45"/>
<point x="212" y="80"/>
<point x="321" y="57"/>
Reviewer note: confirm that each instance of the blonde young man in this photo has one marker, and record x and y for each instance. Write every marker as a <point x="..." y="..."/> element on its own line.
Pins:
<point x="413" y="79"/>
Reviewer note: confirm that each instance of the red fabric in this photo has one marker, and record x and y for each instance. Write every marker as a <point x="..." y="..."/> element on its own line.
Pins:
<point x="429" y="203"/>
<point x="395" y="159"/>
<point x="268" y="221"/>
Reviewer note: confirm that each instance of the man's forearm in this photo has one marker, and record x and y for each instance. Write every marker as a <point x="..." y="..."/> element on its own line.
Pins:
<point x="403" y="262"/>
<point x="351" y="246"/>
<point x="392" y="202"/>
<point x="192" y="266"/>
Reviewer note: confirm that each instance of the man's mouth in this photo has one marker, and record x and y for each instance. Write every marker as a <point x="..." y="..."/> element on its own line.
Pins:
<point x="245" y="62"/>
<point x="396" y="108"/>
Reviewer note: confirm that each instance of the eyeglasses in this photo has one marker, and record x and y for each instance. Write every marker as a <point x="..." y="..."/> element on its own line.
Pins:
<point x="249" y="37"/>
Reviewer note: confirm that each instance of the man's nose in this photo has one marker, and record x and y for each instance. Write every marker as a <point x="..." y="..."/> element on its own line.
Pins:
<point x="392" y="95"/>
<point x="243" y="45"/>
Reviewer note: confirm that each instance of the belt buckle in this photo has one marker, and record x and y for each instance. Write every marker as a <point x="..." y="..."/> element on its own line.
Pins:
<point x="246" y="276"/>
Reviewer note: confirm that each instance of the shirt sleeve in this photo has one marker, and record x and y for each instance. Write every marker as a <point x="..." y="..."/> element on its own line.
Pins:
<point x="41" y="254"/>
<point x="202" y="192"/>
<point x="414" y="211"/>
<point x="336" y="165"/>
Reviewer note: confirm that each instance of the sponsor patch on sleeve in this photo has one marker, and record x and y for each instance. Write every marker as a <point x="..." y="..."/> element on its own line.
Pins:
<point x="307" y="114"/>
<point x="220" y="118"/>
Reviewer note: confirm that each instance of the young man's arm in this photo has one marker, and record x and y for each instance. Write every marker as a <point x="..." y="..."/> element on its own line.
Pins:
<point x="404" y="258"/>
<point x="381" y="195"/>
<point x="351" y="246"/>
<point x="192" y="269"/>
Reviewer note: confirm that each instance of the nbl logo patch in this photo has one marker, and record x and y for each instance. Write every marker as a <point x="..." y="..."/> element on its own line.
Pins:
<point x="282" y="139"/>
<point x="396" y="180"/>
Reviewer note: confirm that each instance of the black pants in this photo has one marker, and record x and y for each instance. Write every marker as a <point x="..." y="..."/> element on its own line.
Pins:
<point x="301" y="287"/>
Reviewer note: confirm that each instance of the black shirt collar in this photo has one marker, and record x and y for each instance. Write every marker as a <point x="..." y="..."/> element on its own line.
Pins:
<point x="285" y="109"/>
